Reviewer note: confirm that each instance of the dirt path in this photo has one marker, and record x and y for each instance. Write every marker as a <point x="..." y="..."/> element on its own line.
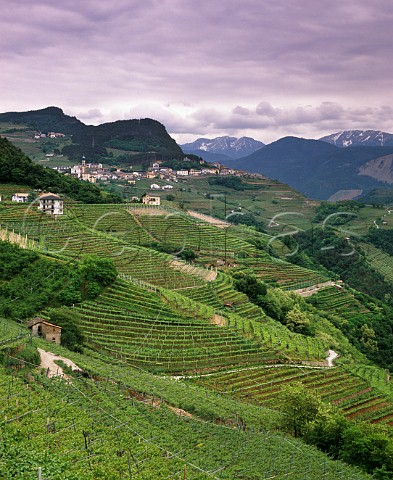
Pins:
<point x="332" y="356"/>
<point x="140" y="224"/>
<point x="308" y="291"/>
<point x="48" y="362"/>
<point x="207" y="275"/>
<point x="207" y="218"/>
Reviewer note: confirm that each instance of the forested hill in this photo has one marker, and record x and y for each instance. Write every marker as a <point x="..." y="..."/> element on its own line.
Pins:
<point x="16" y="167"/>
<point x="137" y="135"/>
<point x="50" y="119"/>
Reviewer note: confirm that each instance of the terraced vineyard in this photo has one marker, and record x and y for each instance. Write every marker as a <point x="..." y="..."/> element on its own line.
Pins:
<point x="287" y="275"/>
<point x="220" y="294"/>
<point x="68" y="237"/>
<point x="113" y="232"/>
<point x="178" y="230"/>
<point x="100" y="230"/>
<point x="135" y="325"/>
<point x="261" y="385"/>
<point x="338" y="300"/>
<point x="115" y="220"/>
<point x="381" y="261"/>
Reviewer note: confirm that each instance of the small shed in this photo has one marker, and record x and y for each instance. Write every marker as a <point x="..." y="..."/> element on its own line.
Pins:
<point x="41" y="328"/>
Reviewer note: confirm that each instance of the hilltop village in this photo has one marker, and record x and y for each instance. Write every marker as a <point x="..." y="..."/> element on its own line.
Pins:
<point x="93" y="172"/>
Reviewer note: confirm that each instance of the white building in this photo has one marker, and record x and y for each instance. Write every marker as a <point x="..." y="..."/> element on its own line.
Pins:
<point x="182" y="173"/>
<point x="154" y="186"/>
<point x="76" y="171"/>
<point x="20" y="197"/>
<point x="51" y="204"/>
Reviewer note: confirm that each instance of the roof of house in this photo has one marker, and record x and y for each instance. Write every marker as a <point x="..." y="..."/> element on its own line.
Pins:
<point x="36" y="320"/>
<point x="49" y="196"/>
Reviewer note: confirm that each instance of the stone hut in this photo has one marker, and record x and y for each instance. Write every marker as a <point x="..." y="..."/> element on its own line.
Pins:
<point x="41" y="328"/>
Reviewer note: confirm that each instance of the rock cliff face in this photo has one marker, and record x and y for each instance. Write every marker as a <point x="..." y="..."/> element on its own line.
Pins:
<point x="380" y="169"/>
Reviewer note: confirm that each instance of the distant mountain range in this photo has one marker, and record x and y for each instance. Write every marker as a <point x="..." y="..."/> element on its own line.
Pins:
<point x="322" y="170"/>
<point x="342" y="165"/>
<point x="352" y="138"/>
<point x="220" y="148"/>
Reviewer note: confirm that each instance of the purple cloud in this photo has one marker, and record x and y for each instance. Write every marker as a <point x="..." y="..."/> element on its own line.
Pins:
<point x="259" y="68"/>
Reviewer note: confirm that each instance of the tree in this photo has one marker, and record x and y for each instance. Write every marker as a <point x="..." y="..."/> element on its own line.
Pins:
<point x="277" y="304"/>
<point x="300" y="407"/>
<point x="187" y="254"/>
<point x="297" y="321"/>
<point x="250" y="285"/>
<point x="368" y="446"/>
<point x="368" y="337"/>
<point x="96" y="273"/>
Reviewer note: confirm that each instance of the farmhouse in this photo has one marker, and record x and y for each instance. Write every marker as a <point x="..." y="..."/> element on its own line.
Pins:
<point x="151" y="200"/>
<point x="20" y="197"/>
<point x="51" y="204"/>
<point x="41" y="328"/>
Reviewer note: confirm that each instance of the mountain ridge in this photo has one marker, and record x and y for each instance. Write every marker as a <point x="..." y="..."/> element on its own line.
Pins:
<point x="143" y="136"/>
<point x="314" y="167"/>
<point x="231" y="147"/>
<point x="370" y="138"/>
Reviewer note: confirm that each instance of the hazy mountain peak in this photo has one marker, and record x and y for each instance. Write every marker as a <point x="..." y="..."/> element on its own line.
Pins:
<point x="230" y="146"/>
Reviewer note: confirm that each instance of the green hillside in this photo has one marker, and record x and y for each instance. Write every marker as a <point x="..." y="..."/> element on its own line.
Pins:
<point x="17" y="168"/>
<point x="379" y="196"/>
<point x="204" y="349"/>
<point x="138" y="139"/>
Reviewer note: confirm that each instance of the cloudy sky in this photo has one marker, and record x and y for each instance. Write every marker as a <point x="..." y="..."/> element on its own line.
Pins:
<point x="260" y="68"/>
